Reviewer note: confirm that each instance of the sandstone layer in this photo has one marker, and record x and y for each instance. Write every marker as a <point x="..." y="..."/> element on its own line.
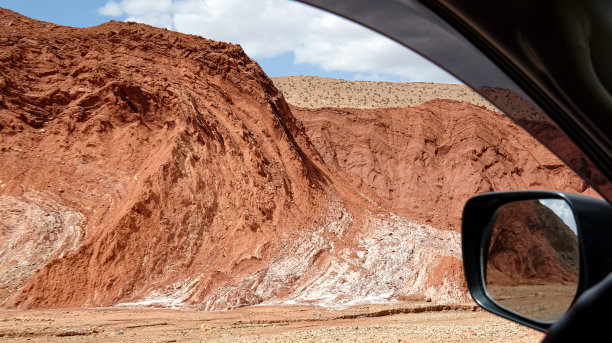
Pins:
<point x="424" y="162"/>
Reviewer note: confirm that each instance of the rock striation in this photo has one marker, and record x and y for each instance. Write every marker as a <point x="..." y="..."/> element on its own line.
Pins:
<point x="424" y="162"/>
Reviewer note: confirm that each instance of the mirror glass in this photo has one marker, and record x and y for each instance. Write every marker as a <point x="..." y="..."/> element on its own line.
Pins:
<point x="533" y="258"/>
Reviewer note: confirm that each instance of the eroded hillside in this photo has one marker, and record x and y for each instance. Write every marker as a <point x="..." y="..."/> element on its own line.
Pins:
<point x="424" y="162"/>
<point x="141" y="166"/>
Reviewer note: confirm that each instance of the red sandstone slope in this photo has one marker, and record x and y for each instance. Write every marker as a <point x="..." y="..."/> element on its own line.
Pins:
<point x="424" y="162"/>
<point x="142" y="166"/>
<point x="530" y="244"/>
<point x="148" y="134"/>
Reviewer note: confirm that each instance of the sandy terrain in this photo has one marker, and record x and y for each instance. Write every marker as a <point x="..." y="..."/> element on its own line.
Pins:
<point x="544" y="302"/>
<point x="406" y="322"/>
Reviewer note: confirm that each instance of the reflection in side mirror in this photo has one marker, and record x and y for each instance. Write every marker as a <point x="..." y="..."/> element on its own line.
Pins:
<point x="532" y="264"/>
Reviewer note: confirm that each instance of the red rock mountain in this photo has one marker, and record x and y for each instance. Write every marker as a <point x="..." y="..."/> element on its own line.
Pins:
<point x="143" y="166"/>
<point x="140" y="166"/>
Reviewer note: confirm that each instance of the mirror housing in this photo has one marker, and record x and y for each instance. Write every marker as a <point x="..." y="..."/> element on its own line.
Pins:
<point x="593" y="219"/>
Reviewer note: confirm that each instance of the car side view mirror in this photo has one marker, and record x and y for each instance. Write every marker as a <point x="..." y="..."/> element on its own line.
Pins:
<point x="528" y="255"/>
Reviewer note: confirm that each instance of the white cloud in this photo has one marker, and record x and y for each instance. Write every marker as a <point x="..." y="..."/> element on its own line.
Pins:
<point x="336" y="44"/>
<point x="111" y="9"/>
<point x="264" y="28"/>
<point x="156" y="13"/>
<point x="268" y="28"/>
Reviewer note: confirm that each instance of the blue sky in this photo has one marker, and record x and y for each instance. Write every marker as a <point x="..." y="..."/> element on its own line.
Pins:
<point x="563" y="210"/>
<point x="284" y="37"/>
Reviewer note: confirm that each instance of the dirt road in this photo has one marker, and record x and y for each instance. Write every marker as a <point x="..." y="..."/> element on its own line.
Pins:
<point x="405" y="322"/>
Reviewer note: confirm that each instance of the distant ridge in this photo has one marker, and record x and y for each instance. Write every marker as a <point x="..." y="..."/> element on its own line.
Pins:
<point x="318" y="92"/>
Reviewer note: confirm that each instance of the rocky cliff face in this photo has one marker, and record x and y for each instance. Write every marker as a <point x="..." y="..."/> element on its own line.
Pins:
<point x="140" y="166"/>
<point x="424" y="162"/>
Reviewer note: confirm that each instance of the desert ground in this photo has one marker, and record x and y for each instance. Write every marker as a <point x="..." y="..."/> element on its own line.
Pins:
<point x="401" y="322"/>
<point x="543" y="302"/>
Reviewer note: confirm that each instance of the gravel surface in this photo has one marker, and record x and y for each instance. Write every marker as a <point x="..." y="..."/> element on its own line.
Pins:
<point x="413" y="322"/>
